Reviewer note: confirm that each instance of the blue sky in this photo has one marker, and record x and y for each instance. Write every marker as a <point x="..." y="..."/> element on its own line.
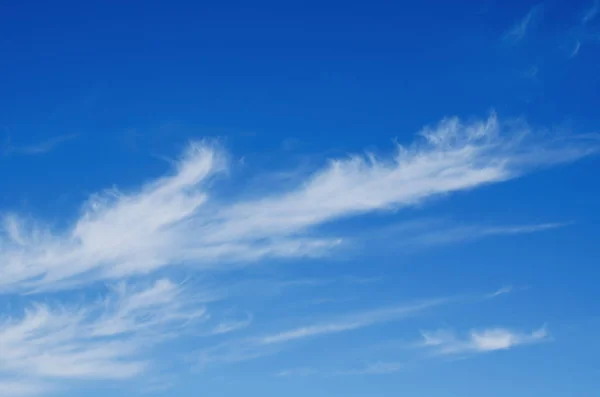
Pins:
<point x="299" y="198"/>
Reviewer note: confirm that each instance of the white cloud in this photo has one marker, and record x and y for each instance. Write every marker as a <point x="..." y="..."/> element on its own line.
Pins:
<point x="256" y="347"/>
<point x="378" y="368"/>
<point x="179" y="220"/>
<point x="582" y="33"/>
<point x="161" y="305"/>
<point x="519" y="30"/>
<point x="591" y="13"/>
<point x="576" y="49"/>
<point x="310" y="331"/>
<point x="38" y="148"/>
<point x="107" y="339"/>
<point x="174" y="220"/>
<point x="480" y="341"/>
<point x="502" y="291"/>
<point x="444" y="234"/>
<point x="531" y="73"/>
<point x="233" y="351"/>
<point x="231" y="326"/>
<point x="296" y="372"/>
<point x="348" y="323"/>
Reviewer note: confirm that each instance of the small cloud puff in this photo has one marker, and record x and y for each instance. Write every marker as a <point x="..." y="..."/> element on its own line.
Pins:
<point x="480" y="341"/>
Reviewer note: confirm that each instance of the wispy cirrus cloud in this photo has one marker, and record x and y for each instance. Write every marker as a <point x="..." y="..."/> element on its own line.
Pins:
<point x="422" y="234"/>
<point x="258" y="346"/>
<point x="179" y="220"/>
<point x="376" y="368"/>
<point x="352" y="322"/>
<point x="448" y="234"/>
<point x="480" y="341"/>
<point x="228" y="326"/>
<point x="505" y="290"/>
<point x="575" y="50"/>
<point x="102" y="339"/>
<point x="441" y="342"/>
<point x="175" y="220"/>
<point x="251" y="348"/>
<point x="582" y="33"/>
<point x="296" y="372"/>
<point x="502" y="291"/>
<point x="519" y="30"/>
<point x="39" y="147"/>
<point x="591" y="13"/>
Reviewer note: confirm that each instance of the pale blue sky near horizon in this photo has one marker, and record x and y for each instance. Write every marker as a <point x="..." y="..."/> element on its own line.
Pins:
<point x="299" y="198"/>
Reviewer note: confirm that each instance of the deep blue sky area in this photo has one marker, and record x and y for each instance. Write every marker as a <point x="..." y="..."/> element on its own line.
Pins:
<point x="383" y="198"/>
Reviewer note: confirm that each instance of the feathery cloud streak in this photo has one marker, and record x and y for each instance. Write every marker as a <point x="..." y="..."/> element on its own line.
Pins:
<point x="173" y="220"/>
<point x="353" y="322"/>
<point x="446" y="235"/>
<point x="519" y="30"/>
<point x="591" y="13"/>
<point x="38" y="148"/>
<point x="106" y="339"/>
<point x="255" y="347"/>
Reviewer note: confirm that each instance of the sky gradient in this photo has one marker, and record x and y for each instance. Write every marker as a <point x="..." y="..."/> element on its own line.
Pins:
<point x="299" y="198"/>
